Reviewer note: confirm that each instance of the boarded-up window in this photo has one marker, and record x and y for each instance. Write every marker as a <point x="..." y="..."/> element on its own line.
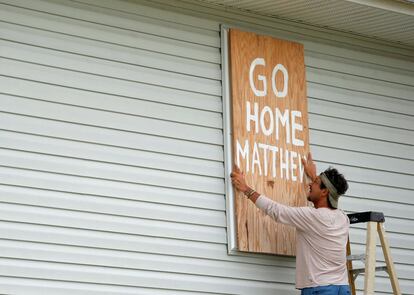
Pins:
<point x="270" y="133"/>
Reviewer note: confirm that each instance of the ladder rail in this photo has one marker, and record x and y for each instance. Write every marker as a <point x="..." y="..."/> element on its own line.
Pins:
<point x="388" y="259"/>
<point x="374" y="222"/>
<point x="349" y="265"/>
<point x="370" y="258"/>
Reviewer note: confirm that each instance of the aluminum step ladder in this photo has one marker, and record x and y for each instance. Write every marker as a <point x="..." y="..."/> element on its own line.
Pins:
<point x="375" y="221"/>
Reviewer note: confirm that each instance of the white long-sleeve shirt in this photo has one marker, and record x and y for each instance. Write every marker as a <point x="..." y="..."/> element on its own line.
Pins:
<point x="321" y="237"/>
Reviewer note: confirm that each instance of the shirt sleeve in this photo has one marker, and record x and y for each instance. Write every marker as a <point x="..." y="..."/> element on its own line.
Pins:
<point x="300" y="217"/>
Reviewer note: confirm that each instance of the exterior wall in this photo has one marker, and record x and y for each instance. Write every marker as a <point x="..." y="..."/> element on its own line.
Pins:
<point x="111" y="142"/>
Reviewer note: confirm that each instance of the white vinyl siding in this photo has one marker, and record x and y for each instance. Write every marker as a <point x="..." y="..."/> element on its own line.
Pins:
<point x="111" y="147"/>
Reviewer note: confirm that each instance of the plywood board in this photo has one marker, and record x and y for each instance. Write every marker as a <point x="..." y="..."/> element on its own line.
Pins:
<point x="270" y="134"/>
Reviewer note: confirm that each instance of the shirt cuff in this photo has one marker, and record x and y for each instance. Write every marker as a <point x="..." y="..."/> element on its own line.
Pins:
<point x="262" y="202"/>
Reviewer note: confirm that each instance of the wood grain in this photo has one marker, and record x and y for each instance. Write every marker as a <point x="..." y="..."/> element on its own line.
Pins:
<point x="255" y="231"/>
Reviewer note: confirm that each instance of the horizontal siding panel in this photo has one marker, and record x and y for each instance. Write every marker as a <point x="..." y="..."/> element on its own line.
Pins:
<point x="112" y="103"/>
<point x="383" y="284"/>
<point x="315" y="39"/>
<point x="93" y="274"/>
<point x="395" y="225"/>
<point x="358" y="68"/>
<point x="379" y="192"/>
<point x="110" y="35"/>
<point x="360" y="144"/>
<point x="143" y="261"/>
<point x="401" y="245"/>
<point x="381" y="178"/>
<point x="24" y="286"/>
<point x="363" y="160"/>
<point x="110" y="289"/>
<point x="112" y="155"/>
<point x="365" y="115"/>
<point x="124" y="173"/>
<point x="107" y="68"/>
<point x="111" y="206"/>
<point x="382" y="276"/>
<point x="103" y="50"/>
<point x="57" y="111"/>
<point x="360" y="99"/>
<point x="375" y="56"/>
<point x="111" y="223"/>
<point x="389" y="208"/>
<point x="347" y="127"/>
<point x="114" y="172"/>
<point x="106" y="154"/>
<point x="118" y="19"/>
<point x="115" y="121"/>
<point x="160" y="14"/>
<point x="397" y="256"/>
<point x="360" y="83"/>
<point x="107" y="85"/>
<point x="60" y="220"/>
<point x="403" y="270"/>
<point x="135" y="260"/>
<point x="133" y="243"/>
<point x="110" y="189"/>
<point x="395" y="235"/>
<point x="109" y="137"/>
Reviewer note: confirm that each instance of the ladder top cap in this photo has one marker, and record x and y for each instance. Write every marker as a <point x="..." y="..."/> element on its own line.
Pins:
<point x="366" y="217"/>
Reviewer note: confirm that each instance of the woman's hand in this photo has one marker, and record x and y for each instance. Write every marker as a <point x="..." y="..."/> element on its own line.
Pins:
<point x="238" y="180"/>
<point x="309" y="166"/>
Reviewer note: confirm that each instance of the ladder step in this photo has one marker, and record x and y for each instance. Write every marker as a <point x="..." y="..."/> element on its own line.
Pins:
<point x="366" y="217"/>
<point x="356" y="257"/>
<point x="357" y="271"/>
